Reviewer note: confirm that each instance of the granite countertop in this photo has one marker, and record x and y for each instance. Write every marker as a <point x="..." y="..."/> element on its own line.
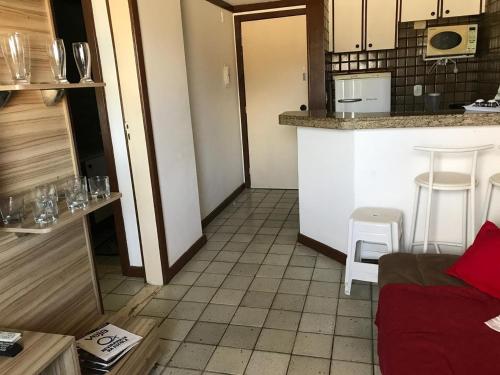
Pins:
<point x="353" y="121"/>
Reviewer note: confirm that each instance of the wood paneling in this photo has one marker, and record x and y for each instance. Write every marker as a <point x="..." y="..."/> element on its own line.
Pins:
<point x="47" y="282"/>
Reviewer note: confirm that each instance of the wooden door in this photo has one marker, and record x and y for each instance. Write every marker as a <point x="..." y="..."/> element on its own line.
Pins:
<point x="458" y="8"/>
<point x="348" y="25"/>
<point x="275" y="71"/>
<point x="381" y="26"/>
<point x="412" y="10"/>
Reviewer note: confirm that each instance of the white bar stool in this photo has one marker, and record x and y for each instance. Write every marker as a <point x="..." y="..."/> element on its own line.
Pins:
<point x="382" y="226"/>
<point x="493" y="182"/>
<point x="447" y="181"/>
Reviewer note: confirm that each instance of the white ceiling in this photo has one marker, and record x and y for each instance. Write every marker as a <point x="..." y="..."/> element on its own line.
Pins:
<point x="244" y="2"/>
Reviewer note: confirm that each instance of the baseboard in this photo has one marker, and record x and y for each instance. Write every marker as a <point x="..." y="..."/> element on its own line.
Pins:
<point x="322" y="248"/>
<point x="212" y="215"/>
<point x="134" y="271"/>
<point x="186" y="257"/>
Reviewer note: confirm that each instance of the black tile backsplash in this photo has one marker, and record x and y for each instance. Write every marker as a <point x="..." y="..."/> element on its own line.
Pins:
<point x="476" y="76"/>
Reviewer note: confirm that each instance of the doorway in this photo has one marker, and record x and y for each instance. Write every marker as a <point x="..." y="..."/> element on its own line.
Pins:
<point x="73" y="22"/>
<point x="272" y="65"/>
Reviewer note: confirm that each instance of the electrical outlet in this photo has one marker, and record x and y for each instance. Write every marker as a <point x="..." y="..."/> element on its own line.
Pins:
<point x="417" y="90"/>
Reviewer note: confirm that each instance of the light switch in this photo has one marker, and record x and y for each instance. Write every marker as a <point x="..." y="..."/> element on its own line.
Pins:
<point x="417" y="90"/>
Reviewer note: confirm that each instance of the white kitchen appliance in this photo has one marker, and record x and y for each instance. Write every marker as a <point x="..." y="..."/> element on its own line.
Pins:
<point x="363" y="93"/>
<point x="457" y="41"/>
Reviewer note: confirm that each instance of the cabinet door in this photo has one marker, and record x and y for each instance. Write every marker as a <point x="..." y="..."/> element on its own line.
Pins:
<point x="458" y="8"/>
<point x="348" y="25"/>
<point x="419" y="10"/>
<point x="381" y="25"/>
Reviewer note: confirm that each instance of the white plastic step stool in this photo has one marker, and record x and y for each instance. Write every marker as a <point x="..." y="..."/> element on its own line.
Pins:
<point x="383" y="226"/>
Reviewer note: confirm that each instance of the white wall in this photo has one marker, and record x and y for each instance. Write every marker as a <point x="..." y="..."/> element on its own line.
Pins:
<point x="209" y="45"/>
<point x="163" y="42"/>
<point x="116" y="125"/>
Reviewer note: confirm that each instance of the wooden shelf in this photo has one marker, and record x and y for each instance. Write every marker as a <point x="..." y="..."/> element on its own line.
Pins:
<point x="28" y="226"/>
<point x="50" y="86"/>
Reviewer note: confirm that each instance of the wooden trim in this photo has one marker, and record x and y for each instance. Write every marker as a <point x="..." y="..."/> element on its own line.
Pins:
<point x="267" y="5"/>
<point x="315" y="13"/>
<point x="322" y="248"/>
<point x="134" y="271"/>
<point x="186" y="257"/>
<point x="241" y="76"/>
<point x="226" y="202"/>
<point x="222" y="4"/>
<point x="148" y="129"/>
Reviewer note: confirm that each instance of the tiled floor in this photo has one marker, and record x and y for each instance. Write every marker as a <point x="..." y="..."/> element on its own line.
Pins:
<point x="254" y="301"/>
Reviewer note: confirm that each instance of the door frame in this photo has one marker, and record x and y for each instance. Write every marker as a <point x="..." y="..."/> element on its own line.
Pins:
<point x="238" y="20"/>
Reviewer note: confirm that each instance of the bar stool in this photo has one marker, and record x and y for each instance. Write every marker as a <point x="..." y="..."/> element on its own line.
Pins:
<point x="493" y="182"/>
<point x="382" y="226"/>
<point x="446" y="181"/>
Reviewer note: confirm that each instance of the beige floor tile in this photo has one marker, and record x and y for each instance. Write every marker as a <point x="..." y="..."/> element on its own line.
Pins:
<point x="272" y="231"/>
<point x="221" y="268"/>
<point x="258" y="299"/>
<point x="241" y="237"/>
<point x="158" y="307"/>
<point x="229" y="360"/>
<point x="294" y="287"/>
<point x="237" y="282"/>
<point x="354" y="327"/>
<point x="249" y="316"/>
<point x="274" y="340"/>
<point x="167" y="350"/>
<point x="173" y="292"/>
<point x="206" y="333"/>
<point x="175" y="329"/>
<point x="228" y="256"/>
<point x="252" y="258"/>
<point x="187" y="310"/>
<point x="376" y="370"/>
<point x="260" y="248"/>
<point x="179" y="371"/>
<point x="238" y="247"/>
<point x="228" y="229"/>
<point x="196" y="265"/>
<point x="185" y="278"/>
<point x="375" y="352"/>
<point x="352" y="349"/>
<point x="218" y="313"/>
<point x="308" y="366"/>
<point x="265" y="238"/>
<point x="241" y="269"/>
<point x="218" y="237"/>
<point x="358" y="291"/>
<point x="157" y="370"/>
<point x="350" y="368"/>
<point x="325" y="262"/>
<point x="281" y="319"/>
<point x="299" y="273"/>
<point x="107" y="285"/>
<point x="277" y="259"/>
<point x="240" y="337"/>
<point x="322" y="289"/>
<point x="348" y="307"/>
<point x="281" y="249"/>
<point x="304" y="250"/>
<point x="192" y="356"/>
<point x="303" y="261"/>
<point x="114" y="302"/>
<point x="210" y="279"/>
<point x="313" y="345"/>
<point x="267" y="363"/>
<point x="317" y="323"/>
<point x="199" y="294"/>
<point x="263" y="284"/>
<point x="321" y="305"/>
<point x="231" y="297"/>
<point x="290" y="302"/>
<point x="206" y="255"/>
<point x="327" y="275"/>
<point x="270" y="271"/>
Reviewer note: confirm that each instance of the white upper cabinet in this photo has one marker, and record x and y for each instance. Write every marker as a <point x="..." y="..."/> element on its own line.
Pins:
<point x="381" y="25"/>
<point x="458" y="8"/>
<point x="348" y="25"/>
<point x="418" y="10"/>
<point x="361" y="25"/>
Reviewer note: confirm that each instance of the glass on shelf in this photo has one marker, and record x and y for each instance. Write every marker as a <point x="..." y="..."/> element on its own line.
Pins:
<point x="57" y="58"/>
<point x="99" y="187"/>
<point x="76" y="193"/>
<point x="17" y="53"/>
<point x="45" y="209"/>
<point x="12" y="209"/>
<point x="81" y="52"/>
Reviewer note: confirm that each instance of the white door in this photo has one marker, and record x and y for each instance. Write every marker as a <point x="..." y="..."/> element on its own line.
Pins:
<point x="275" y="66"/>
<point x="347" y="25"/>
<point x="420" y="10"/>
<point x="381" y="26"/>
<point x="458" y="8"/>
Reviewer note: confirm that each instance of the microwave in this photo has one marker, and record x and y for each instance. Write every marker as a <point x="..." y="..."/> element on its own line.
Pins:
<point x="451" y="41"/>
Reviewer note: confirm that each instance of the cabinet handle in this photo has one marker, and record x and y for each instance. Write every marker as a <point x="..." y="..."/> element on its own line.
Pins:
<point x="357" y="45"/>
<point x="433" y="14"/>
<point x="447" y="11"/>
<point x="370" y="45"/>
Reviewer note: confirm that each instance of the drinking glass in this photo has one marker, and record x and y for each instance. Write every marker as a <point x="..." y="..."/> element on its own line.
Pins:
<point x="17" y="54"/>
<point x="99" y="187"/>
<point x="81" y="52"/>
<point x="45" y="209"/>
<point x="76" y="192"/>
<point x="12" y="209"/>
<point x="57" y="58"/>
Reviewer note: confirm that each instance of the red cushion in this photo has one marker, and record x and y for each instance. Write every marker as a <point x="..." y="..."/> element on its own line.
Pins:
<point x="480" y="264"/>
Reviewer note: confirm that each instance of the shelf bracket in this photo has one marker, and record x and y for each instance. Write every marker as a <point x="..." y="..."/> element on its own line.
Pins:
<point x="4" y="97"/>
<point x="52" y="97"/>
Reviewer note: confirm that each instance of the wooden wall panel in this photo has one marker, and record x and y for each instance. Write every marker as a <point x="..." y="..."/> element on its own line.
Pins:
<point x="47" y="282"/>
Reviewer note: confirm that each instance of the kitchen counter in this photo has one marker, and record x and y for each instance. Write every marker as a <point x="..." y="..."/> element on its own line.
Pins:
<point x="353" y="121"/>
